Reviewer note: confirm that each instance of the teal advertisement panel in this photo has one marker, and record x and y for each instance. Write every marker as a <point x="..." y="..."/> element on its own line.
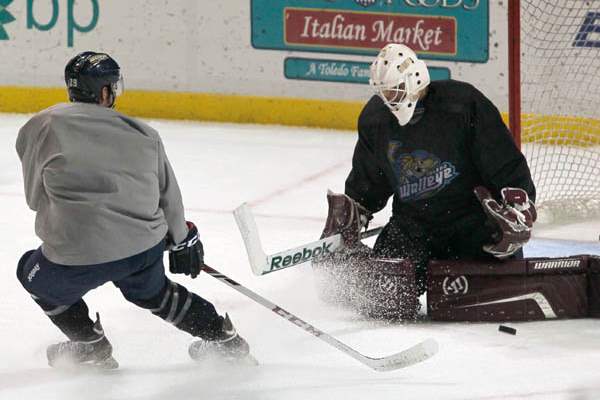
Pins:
<point x="340" y="71"/>
<point x="454" y="30"/>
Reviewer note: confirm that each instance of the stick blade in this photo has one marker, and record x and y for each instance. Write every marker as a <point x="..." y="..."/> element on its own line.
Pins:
<point x="247" y="226"/>
<point x="413" y="355"/>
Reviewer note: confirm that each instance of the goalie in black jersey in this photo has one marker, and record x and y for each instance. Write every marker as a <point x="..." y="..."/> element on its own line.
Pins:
<point x="461" y="188"/>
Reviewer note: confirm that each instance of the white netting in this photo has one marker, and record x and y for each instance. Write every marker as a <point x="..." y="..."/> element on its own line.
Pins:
<point x="560" y="89"/>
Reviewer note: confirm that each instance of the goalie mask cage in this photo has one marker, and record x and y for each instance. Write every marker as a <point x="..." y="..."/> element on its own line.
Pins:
<point x="554" y="100"/>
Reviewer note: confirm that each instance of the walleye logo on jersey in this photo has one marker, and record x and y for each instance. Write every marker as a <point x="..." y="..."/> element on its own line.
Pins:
<point x="420" y="174"/>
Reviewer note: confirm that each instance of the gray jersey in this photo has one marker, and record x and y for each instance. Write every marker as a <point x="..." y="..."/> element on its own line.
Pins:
<point x="100" y="182"/>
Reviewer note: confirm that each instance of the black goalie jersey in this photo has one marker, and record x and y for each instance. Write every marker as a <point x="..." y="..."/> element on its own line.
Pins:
<point x="431" y="166"/>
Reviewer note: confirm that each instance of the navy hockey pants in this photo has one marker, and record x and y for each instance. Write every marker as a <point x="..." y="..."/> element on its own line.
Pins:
<point x="138" y="277"/>
<point x="58" y="290"/>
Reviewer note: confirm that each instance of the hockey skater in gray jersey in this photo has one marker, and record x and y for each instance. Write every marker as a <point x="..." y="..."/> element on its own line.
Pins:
<point x="107" y="206"/>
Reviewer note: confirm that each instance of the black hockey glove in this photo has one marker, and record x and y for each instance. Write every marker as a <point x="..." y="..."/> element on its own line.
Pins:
<point x="514" y="218"/>
<point x="187" y="257"/>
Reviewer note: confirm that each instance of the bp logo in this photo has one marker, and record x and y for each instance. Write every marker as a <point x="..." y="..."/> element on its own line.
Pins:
<point x="5" y="18"/>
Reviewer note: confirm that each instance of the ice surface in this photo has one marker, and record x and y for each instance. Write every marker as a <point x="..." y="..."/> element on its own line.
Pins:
<point x="284" y="173"/>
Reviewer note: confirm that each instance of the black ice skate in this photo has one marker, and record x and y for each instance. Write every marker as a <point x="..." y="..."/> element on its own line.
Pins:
<point x="229" y="347"/>
<point x="94" y="352"/>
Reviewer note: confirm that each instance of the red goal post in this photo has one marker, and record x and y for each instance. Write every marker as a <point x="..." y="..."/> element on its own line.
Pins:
<point x="514" y="69"/>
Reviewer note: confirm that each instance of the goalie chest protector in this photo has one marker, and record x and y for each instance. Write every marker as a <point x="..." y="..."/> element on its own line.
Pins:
<point x="517" y="290"/>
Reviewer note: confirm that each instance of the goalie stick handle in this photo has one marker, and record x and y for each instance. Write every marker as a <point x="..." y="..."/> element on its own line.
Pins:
<point x="299" y="255"/>
<point x="262" y="263"/>
<point x="371" y="232"/>
<point x="413" y="355"/>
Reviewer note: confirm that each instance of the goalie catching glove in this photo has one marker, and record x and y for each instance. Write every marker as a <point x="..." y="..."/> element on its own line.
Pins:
<point x="345" y="216"/>
<point x="514" y="217"/>
<point x="187" y="257"/>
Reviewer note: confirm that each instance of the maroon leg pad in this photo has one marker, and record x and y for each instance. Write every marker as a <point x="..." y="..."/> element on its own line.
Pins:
<point x="378" y="288"/>
<point x="594" y="287"/>
<point x="517" y="290"/>
<point x="387" y="289"/>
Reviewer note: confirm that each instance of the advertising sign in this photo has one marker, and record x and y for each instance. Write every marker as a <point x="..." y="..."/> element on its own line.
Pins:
<point x="44" y="17"/>
<point x="340" y="71"/>
<point x="454" y="30"/>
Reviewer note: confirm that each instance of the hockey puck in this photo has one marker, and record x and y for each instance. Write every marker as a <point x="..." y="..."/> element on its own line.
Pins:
<point x="507" y="329"/>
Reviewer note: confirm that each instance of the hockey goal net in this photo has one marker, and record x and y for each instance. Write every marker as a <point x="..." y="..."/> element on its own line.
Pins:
<point x="555" y="100"/>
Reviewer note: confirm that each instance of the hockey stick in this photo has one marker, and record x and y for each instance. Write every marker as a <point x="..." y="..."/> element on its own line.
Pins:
<point x="262" y="264"/>
<point x="413" y="355"/>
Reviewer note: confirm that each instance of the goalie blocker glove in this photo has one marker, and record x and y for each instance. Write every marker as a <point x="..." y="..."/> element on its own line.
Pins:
<point x="345" y="216"/>
<point x="187" y="257"/>
<point x="514" y="217"/>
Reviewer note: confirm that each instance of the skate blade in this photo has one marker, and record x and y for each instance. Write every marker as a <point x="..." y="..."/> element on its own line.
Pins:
<point x="67" y="364"/>
<point x="247" y="360"/>
<point x="108" y="363"/>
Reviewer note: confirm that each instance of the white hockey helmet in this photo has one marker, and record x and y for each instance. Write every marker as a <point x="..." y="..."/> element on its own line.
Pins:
<point x="398" y="77"/>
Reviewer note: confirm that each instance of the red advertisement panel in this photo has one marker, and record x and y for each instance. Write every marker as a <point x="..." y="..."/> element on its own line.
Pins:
<point x="350" y="29"/>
